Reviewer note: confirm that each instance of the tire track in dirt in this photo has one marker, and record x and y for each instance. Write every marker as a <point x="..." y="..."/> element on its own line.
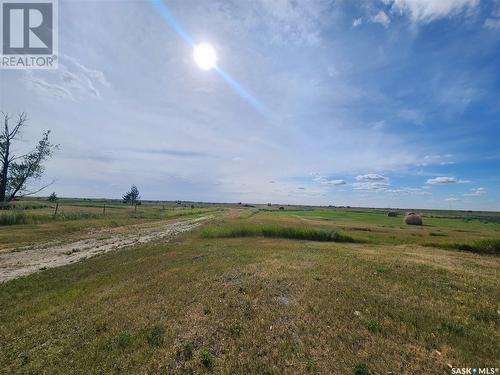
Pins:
<point x="22" y="262"/>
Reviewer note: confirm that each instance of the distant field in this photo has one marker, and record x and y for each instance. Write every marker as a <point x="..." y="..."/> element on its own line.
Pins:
<point x="257" y="290"/>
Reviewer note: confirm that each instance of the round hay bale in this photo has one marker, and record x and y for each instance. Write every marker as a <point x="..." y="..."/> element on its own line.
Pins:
<point x="413" y="219"/>
<point x="392" y="214"/>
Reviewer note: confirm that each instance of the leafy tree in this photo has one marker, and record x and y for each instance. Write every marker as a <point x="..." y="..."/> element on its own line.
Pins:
<point x="18" y="170"/>
<point x="52" y="197"/>
<point x="132" y="196"/>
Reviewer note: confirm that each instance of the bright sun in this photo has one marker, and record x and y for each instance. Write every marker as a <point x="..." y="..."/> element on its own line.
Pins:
<point x="205" y="56"/>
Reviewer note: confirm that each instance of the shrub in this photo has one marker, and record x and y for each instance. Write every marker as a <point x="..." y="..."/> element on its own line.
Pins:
<point x="392" y="214"/>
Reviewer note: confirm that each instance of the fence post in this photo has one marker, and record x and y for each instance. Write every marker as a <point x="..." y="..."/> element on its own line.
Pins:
<point x="135" y="208"/>
<point x="55" y="211"/>
<point x="104" y="210"/>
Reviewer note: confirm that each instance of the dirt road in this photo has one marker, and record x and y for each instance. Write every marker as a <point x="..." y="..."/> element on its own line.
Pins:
<point x="21" y="262"/>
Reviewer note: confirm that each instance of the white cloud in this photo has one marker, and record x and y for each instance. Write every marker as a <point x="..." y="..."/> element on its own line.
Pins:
<point x="379" y="125"/>
<point x="437" y="159"/>
<point x="492" y="23"/>
<point x="335" y="182"/>
<point x="357" y="22"/>
<point x="442" y="180"/>
<point x="476" y="192"/>
<point x="452" y="199"/>
<point x="370" y="185"/>
<point x="326" y="181"/>
<point x="71" y="81"/>
<point x="408" y="191"/>
<point x="446" y="180"/>
<point x="332" y="71"/>
<point x="42" y="87"/>
<point x="412" y="115"/>
<point x="295" y="21"/>
<point x="426" y="11"/>
<point x="371" y="177"/>
<point x="381" y="18"/>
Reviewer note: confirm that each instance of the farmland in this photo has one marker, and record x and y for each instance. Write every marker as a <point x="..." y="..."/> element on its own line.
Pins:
<point x="253" y="289"/>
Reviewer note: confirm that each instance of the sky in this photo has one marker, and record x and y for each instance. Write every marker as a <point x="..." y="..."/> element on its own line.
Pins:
<point x="377" y="103"/>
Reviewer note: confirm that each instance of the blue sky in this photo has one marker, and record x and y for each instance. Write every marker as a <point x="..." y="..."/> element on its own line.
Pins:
<point x="383" y="103"/>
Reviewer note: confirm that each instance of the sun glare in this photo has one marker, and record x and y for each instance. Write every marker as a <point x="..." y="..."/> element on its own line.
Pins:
<point x="205" y="56"/>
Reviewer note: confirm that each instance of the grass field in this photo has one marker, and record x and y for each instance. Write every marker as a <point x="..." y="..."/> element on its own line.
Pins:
<point x="258" y="290"/>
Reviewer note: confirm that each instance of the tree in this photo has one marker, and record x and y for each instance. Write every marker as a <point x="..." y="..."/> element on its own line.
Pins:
<point x="132" y="196"/>
<point x="52" y="197"/>
<point x="17" y="171"/>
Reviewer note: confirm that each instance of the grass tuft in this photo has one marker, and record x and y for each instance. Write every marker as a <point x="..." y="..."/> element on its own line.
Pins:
<point x="277" y="231"/>
<point x="13" y="218"/>
<point x="207" y="359"/>
<point x="374" y="326"/>
<point x="124" y="340"/>
<point x="185" y="353"/>
<point x="310" y="365"/>
<point x="360" y="369"/>
<point x="453" y="328"/>
<point x="155" y="335"/>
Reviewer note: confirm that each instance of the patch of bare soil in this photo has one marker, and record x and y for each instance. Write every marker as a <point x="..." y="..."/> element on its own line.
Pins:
<point x="21" y="262"/>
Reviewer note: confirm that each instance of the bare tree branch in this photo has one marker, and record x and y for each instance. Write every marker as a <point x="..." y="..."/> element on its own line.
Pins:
<point x="17" y="171"/>
<point x="37" y="191"/>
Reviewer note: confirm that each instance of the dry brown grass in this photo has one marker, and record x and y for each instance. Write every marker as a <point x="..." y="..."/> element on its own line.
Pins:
<point x="260" y="305"/>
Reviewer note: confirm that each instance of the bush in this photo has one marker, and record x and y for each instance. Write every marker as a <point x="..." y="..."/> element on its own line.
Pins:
<point x="276" y="231"/>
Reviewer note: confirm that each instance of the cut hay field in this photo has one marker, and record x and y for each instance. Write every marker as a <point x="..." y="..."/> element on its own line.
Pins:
<point x="259" y="290"/>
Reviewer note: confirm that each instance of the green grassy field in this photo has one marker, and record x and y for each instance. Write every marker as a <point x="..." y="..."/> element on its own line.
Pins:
<point x="259" y="291"/>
